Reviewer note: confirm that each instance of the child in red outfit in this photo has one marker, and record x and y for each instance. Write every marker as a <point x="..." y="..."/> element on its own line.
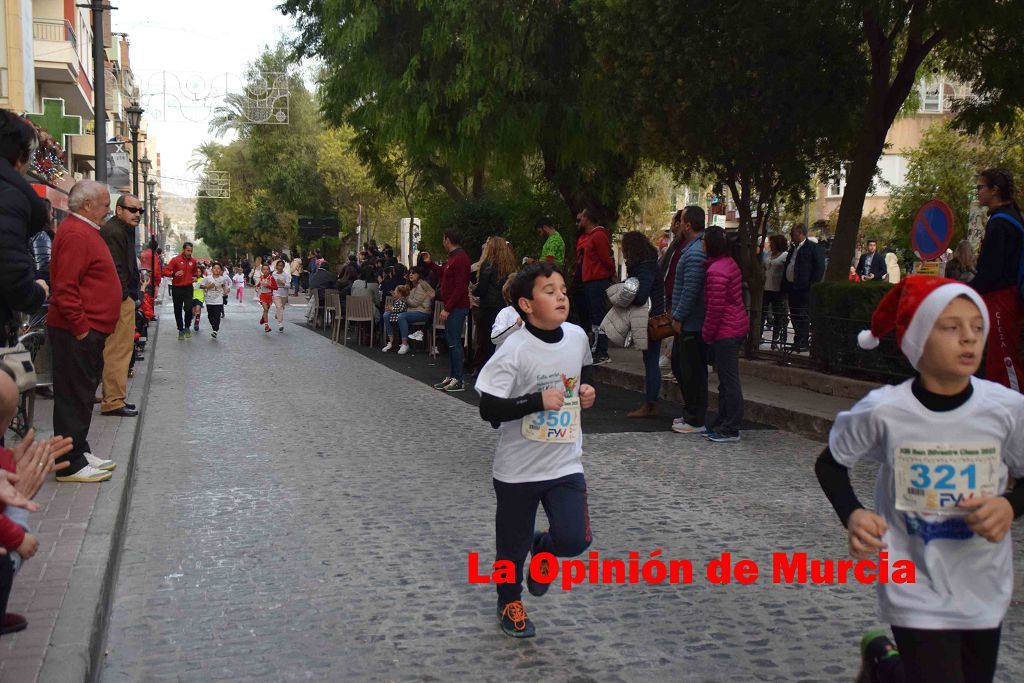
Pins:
<point x="265" y="286"/>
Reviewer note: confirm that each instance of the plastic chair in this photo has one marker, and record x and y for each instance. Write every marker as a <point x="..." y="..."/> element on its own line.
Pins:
<point x="438" y="325"/>
<point x="358" y="309"/>
<point x="332" y="305"/>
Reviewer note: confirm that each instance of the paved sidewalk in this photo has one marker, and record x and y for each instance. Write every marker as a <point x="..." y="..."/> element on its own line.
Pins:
<point x="43" y="582"/>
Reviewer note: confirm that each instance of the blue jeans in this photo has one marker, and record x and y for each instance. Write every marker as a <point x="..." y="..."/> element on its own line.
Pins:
<point x="405" y="319"/>
<point x="652" y="373"/>
<point x="453" y="334"/>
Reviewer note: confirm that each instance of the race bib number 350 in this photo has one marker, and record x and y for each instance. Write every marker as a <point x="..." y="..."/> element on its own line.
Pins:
<point x="934" y="478"/>
<point x="554" y="426"/>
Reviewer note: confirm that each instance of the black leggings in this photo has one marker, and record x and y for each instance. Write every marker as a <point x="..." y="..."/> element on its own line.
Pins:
<point x="213" y="313"/>
<point x="182" y="298"/>
<point x="948" y="656"/>
<point x="565" y="502"/>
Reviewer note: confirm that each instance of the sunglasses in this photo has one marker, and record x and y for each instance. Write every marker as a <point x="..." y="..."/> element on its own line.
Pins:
<point x="132" y="209"/>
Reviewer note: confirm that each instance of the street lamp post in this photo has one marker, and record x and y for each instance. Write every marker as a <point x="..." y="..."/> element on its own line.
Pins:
<point x="134" y="114"/>
<point x="150" y="185"/>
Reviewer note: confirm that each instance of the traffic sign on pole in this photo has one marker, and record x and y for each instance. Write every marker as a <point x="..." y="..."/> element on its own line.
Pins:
<point x="932" y="231"/>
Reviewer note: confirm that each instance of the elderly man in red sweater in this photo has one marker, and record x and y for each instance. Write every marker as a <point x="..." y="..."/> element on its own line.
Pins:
<point x="85" y="304"/>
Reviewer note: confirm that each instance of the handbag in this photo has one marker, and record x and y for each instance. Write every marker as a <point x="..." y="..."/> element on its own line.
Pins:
<point x="659" y="327"/>
<point x="16" y="361"/>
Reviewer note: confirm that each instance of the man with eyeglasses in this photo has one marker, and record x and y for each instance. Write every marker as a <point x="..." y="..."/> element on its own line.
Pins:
<point x="119" y="234"/>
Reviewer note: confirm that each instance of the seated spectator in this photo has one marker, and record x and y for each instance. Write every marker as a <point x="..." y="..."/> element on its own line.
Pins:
<point x="392" y="277"/>
<point x="367" y="285"/>
<point x="418" y="310"/>
<point x="349" y="271"/>
<point x="323" y="278"/>
<point x="32" y="461"/>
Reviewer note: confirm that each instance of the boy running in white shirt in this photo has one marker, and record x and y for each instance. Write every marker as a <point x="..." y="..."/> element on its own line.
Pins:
<point x="532" y="390"/>
<point x="217" y="286"/>
<point x="948" y="444"/>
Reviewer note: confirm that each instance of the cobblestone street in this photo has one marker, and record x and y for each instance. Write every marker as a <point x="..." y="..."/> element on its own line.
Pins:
<point x="301" y="512"/>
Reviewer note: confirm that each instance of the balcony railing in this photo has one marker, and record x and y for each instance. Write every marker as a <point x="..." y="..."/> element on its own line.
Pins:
<point x="54" y="31"/>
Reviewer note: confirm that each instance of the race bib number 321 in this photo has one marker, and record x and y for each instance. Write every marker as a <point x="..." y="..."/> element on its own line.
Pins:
<point x="934" y="478"/>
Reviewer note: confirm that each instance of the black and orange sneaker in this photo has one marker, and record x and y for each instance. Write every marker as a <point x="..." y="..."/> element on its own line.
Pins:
<point x="513" y="620"/>
<point x="537" y="588"/>
<point x="877" y="653"/>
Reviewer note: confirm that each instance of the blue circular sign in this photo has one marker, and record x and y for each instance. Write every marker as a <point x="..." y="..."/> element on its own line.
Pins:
<point x="933" y="230"/>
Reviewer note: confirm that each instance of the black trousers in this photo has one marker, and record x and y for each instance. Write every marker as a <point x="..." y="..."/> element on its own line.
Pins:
<point x="565" y="502"/>
<point x="947" y="656"/>
<point x="485" y="347"/>
<point x="214" y="313"/>
<point x="77" y="371"/>
<point x="6" y="582"/>
<point x="799" y="313"/>
<point x="181" y="295"/>
<point x="690" y="368"/>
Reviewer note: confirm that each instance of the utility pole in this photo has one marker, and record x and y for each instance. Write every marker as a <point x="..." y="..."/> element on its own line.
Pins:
<point x="99" y="91"/>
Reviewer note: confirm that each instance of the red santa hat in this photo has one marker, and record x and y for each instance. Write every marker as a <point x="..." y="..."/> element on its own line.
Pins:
<point x="911" y="309"/>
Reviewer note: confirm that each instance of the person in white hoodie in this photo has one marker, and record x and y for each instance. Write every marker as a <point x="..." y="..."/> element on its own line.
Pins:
<point x="508" y="320"/>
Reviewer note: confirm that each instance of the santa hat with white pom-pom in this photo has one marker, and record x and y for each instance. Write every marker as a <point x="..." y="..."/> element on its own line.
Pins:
<point x="911" y="309"/>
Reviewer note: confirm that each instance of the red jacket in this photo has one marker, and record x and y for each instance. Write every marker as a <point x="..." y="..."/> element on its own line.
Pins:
<point x="726" y="316"/>
<point x="455" y="281"/>
<point x="11" y="533"/>
<point x="594" y="249"/>
<point x="146" y="261"/>
<point x="188" y="267"/>
<point x="85" y="291"/>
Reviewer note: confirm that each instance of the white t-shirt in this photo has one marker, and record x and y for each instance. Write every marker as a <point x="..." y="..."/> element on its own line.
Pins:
<point x="240" y="281"/>
<point x="223" y="288"/>
<point x="504" y="325"/>
<point x="928" y="459"/>
<point x="284" y="279"/>
<point x="525" y="365"/>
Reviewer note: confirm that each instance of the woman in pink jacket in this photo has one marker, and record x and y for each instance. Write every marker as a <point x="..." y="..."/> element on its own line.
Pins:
<point x="725" y="326"/>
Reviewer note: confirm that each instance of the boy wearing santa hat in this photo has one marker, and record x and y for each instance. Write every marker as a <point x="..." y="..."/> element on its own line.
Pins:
<point x="947" y="443"/>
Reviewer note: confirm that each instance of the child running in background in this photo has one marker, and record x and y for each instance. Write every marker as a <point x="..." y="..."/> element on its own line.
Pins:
<point x="283" y="280"/>
<point x="948" y="444"/>
<point x="239" y="285"/>
<point x="508" y="320"/>
<point x="265" y="286"/>
<point x="198" y="297"/>
<point x="725" y="326"/>
<point x="216" y="285"/>
<point x="532" y="390"/>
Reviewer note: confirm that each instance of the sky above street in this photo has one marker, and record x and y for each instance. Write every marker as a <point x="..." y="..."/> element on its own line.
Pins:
<point x="185" y="53"/>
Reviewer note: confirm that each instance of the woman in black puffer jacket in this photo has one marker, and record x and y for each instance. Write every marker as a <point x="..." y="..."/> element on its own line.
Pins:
<point x="22" y="213"/>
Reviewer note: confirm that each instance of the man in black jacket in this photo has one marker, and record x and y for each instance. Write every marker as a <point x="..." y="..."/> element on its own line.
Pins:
<point x="22" y="213"/>
<point x="119" y="234"/>
<point x="805" y="266"/>
<point x="871" y="266"/>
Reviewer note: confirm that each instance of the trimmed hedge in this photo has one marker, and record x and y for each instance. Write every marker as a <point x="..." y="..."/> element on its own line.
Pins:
<point x="839" y="311"/>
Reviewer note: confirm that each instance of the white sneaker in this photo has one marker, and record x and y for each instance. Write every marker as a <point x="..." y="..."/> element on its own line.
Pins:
<point x="686" y="428"/>
<point x="418" y="335"/>
<point x="100" y="463"/>
<point x="387" y="347"/>
<point x="664" y="363"/>
<point x="86" y="475"/>
<point x="403" y="349"/>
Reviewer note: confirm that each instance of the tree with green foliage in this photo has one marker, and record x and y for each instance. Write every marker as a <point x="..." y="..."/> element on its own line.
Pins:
<point x="979" y="43"/>
<point x="468" y="90"/>
<point x="758" y="114"/>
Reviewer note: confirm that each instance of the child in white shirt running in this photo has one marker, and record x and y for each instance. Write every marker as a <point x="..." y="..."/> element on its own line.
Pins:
<point x="948" y="444"/>
<point x="532" y="389"/>
<point x="239" y="285"/>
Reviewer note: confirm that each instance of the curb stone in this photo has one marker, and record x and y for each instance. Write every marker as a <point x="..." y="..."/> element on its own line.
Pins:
<point x="76" y="646"/>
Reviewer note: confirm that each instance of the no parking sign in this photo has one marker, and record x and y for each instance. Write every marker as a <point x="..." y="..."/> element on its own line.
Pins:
<point x="932" y="231"/>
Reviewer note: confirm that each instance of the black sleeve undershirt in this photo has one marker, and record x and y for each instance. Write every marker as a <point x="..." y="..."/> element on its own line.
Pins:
<point x="497" y="410"/>
<point x="835" y="478"/>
